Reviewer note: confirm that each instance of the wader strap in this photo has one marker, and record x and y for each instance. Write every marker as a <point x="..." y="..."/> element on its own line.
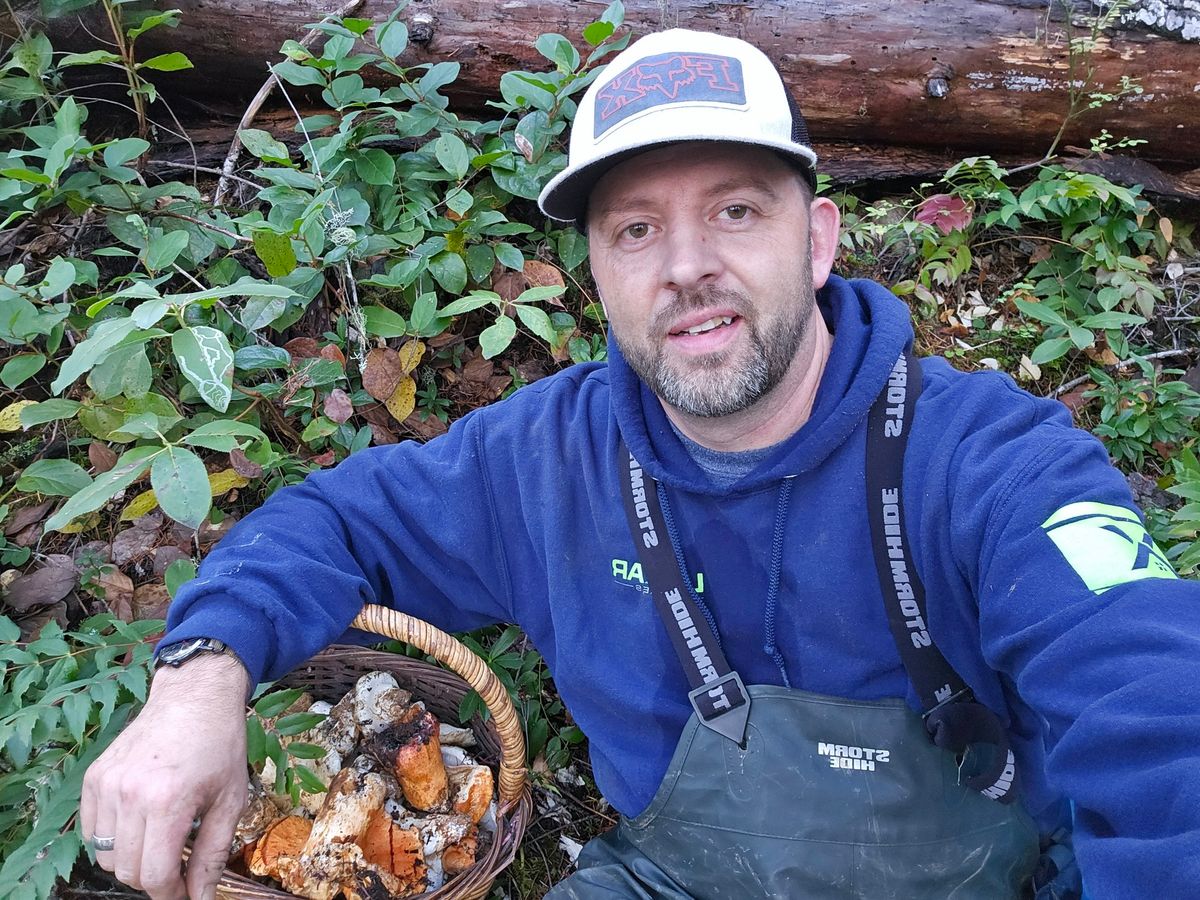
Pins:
<point x="952" y="717"/>
<point x="717" y="693"/>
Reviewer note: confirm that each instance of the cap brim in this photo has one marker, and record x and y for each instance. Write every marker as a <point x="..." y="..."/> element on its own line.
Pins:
<point x="565" y="197"/>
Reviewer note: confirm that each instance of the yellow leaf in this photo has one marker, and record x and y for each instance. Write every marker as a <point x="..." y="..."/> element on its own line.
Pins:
<point x="10" y="416"/>
<point x="1167" y="228"/>
<point x="403" y="400"/>
<point x="226" y="480"/>
<point x="139" y="506"/>
<point x="77" y="526"/>
<point x="410" y="356"/>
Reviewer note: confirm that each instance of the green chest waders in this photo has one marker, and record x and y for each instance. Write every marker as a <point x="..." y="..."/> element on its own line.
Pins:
<point x="775" y="792"/>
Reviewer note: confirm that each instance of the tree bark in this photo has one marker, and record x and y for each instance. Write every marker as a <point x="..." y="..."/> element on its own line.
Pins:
<point x="969" y="76"/>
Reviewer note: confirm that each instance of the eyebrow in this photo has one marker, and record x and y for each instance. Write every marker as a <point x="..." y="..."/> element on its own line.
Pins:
<point x="741" y="182"/>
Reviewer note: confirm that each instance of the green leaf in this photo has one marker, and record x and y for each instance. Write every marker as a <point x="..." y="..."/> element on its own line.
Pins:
<point x="161" y="252"/>
<point x="129" y="468"/>
<point x="120" y="152"/>
<point x="537" y="321"/>
<point x="21" y="368"/>
<point x="294" y="73"/>
<point x="375" y="166"/>
<point x="1051" y="349"/>
<point x="276" y="252"/>
<point x="262" y="144"/>
<point x="383" y="322"/>
<point x="272" y="705"/>
<point x="598" y="32"/>
<point x="167" y="62"/>
<point x="256" y="741"/>
<point x="77" y="708"/>
<point x="480" y="261"/>
<point x="178" y="574"/>
<point x="393" y="39"/>
<point x="494" y="339"/>
<point x="180" y="483"/>
<point x="48" y="411"/>
<point x="259" y="312"/>
<point x="452" y="154"/>
<point x="301" y="750"/>
<point x="1041" y="312"/>
<point x="222" y="435"/>
<point x="542" y="292"/>
<point x="87" y="353"/>
<point x="91" y="58"/>
<point x="257" y="357"/>
<point x="472" y="301"/>
<point x="298" y="722"/>
<point x="54" y="477"/>
<point x="449" y="270"/>
<point x="206" y="361"/>
<point x="59" y="277"/>
<point x="318" y="428"/>
<point x="439" y="75"/>
<point x="572" y="248"/>
<point x="308" y="780"/>
<point x="510" y="257"/>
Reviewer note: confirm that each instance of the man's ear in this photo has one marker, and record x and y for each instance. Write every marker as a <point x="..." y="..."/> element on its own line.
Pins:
<point x="824" y="222"/>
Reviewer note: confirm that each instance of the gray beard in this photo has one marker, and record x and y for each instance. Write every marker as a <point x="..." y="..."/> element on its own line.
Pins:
<point x="703" y="390"/>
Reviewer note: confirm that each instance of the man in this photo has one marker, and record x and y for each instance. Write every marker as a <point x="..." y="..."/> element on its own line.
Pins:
<point x="750" y="557"/>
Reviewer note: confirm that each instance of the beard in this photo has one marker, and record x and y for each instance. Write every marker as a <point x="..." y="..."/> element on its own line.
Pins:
<point x="727" y="382"/>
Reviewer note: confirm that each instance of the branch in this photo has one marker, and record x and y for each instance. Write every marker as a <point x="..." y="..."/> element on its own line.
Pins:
<point x="1161" y="354"/>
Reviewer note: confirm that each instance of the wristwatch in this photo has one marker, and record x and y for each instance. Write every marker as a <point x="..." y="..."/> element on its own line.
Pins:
<point x="180" y="652"/>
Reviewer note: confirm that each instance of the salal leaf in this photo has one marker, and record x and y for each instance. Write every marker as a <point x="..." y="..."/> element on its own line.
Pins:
<point x="53" y="477"/>
<point x="206" y="360"/>
<point x="128" y="469"/>
<point x="180" y="482"/>
<point x="87" y="353"/>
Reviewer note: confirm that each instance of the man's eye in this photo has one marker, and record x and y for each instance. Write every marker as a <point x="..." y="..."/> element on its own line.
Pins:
<point x="736" y="212"/>
<point x="637" y="231"/>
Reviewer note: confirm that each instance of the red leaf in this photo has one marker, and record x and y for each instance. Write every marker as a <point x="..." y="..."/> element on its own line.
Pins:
<point x="323" y="459"/>
<point x="382" y="372"/>
<point x="945" y="212"/>
<point x="303" y="348"/>
<point x="334" y="352"/>
<point x="338" y="407"/>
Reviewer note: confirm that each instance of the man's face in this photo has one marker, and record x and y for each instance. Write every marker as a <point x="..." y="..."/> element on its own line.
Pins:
<point x="701" y="254"/>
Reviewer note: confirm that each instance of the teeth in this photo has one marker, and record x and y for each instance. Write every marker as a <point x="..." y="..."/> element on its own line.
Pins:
<point x="712" y="323"/>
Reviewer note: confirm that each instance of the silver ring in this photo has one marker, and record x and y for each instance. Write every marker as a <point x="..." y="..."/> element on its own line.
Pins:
<point x="102" y="843"/>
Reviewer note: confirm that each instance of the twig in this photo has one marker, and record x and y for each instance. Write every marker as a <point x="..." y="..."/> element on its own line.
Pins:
<point x="235" y="146"/>
<point x="1161" y="354"/>
<point x="275" y="415"/>
<point x="170" y="164"/>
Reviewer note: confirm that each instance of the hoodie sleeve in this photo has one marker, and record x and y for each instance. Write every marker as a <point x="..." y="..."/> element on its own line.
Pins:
<point x="409" y="526"/>
<point x="1082" y="613"/>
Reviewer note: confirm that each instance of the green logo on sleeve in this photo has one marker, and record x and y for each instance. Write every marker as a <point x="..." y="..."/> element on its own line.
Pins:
<point x="1106" y="545"/>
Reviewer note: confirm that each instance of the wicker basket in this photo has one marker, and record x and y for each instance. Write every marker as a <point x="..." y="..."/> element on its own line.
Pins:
<point x="332" y="673"/>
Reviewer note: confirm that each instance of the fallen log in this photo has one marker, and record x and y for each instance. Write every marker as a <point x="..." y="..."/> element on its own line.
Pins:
<point x="987" y="76"/>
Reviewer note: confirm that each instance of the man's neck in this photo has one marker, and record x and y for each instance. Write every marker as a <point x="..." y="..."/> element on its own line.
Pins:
<point x="776" y="416"/>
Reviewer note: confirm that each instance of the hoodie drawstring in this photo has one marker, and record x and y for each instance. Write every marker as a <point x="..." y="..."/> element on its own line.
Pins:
<point x="772" y="604"/>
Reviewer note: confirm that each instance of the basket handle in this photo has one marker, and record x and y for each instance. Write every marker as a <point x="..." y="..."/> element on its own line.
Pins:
<point x="453" y="654"/>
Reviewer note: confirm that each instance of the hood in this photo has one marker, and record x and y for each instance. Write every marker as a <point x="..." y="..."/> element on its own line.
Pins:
<point x="870" y="325"/>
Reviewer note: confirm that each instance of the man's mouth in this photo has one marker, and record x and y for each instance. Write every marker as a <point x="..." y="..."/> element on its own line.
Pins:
<point x="706" y="325"/>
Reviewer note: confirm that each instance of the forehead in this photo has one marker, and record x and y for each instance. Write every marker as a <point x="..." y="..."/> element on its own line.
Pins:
<point x="691" y="171"/>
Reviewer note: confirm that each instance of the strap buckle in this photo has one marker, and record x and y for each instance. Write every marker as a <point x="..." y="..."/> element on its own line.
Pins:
<point x="723" y="706"/>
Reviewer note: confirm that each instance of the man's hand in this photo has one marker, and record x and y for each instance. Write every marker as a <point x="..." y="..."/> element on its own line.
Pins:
<point x="182" y="758"/>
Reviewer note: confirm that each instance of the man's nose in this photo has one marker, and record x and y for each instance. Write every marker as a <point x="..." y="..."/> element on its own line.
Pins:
<point x="691" y="259"/>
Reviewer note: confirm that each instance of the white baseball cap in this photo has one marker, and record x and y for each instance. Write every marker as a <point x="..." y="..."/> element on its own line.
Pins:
<point x="675" y="86"/>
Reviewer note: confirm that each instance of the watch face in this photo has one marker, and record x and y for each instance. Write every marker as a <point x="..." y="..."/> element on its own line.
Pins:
<point x="177" y="653"/>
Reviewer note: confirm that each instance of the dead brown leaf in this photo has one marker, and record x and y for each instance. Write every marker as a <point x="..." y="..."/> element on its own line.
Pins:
<point x="382" y="435"/>
<point x="382" y="373"/>
<point x="1074" y="399"/>
<point x="338" y="407"/>
<point x="540" y="274"/>
<point x="478" y="370"/>
<point x="509" y="285"/>
<point x="445" y="339"/>
<point x="303" y="348"/>
<point x="333" y="352"/>
<point x="138" y="540"/>
<point x="25" y="516"/>
<point x="164" y="556"/>
<point x="118" y="593"/>
<point x="101" y="456"/>
<point x="243" y="465"/>
<point x="39" y="617"/>
<point x="29" y="536"/>
<point x="52" y="582"/>
<point x="207" y="534"/>
<point x="425" y="428"/>
<point x="323" y="459"/>
<point x="1102" y="355"/>
<point x="150" y="601"/>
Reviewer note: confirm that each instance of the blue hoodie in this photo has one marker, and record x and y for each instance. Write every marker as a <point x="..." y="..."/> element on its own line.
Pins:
<point x="1019" y="523"/>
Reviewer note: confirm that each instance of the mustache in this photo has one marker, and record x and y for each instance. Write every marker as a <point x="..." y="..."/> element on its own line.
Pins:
<point x="701" y="298"/>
